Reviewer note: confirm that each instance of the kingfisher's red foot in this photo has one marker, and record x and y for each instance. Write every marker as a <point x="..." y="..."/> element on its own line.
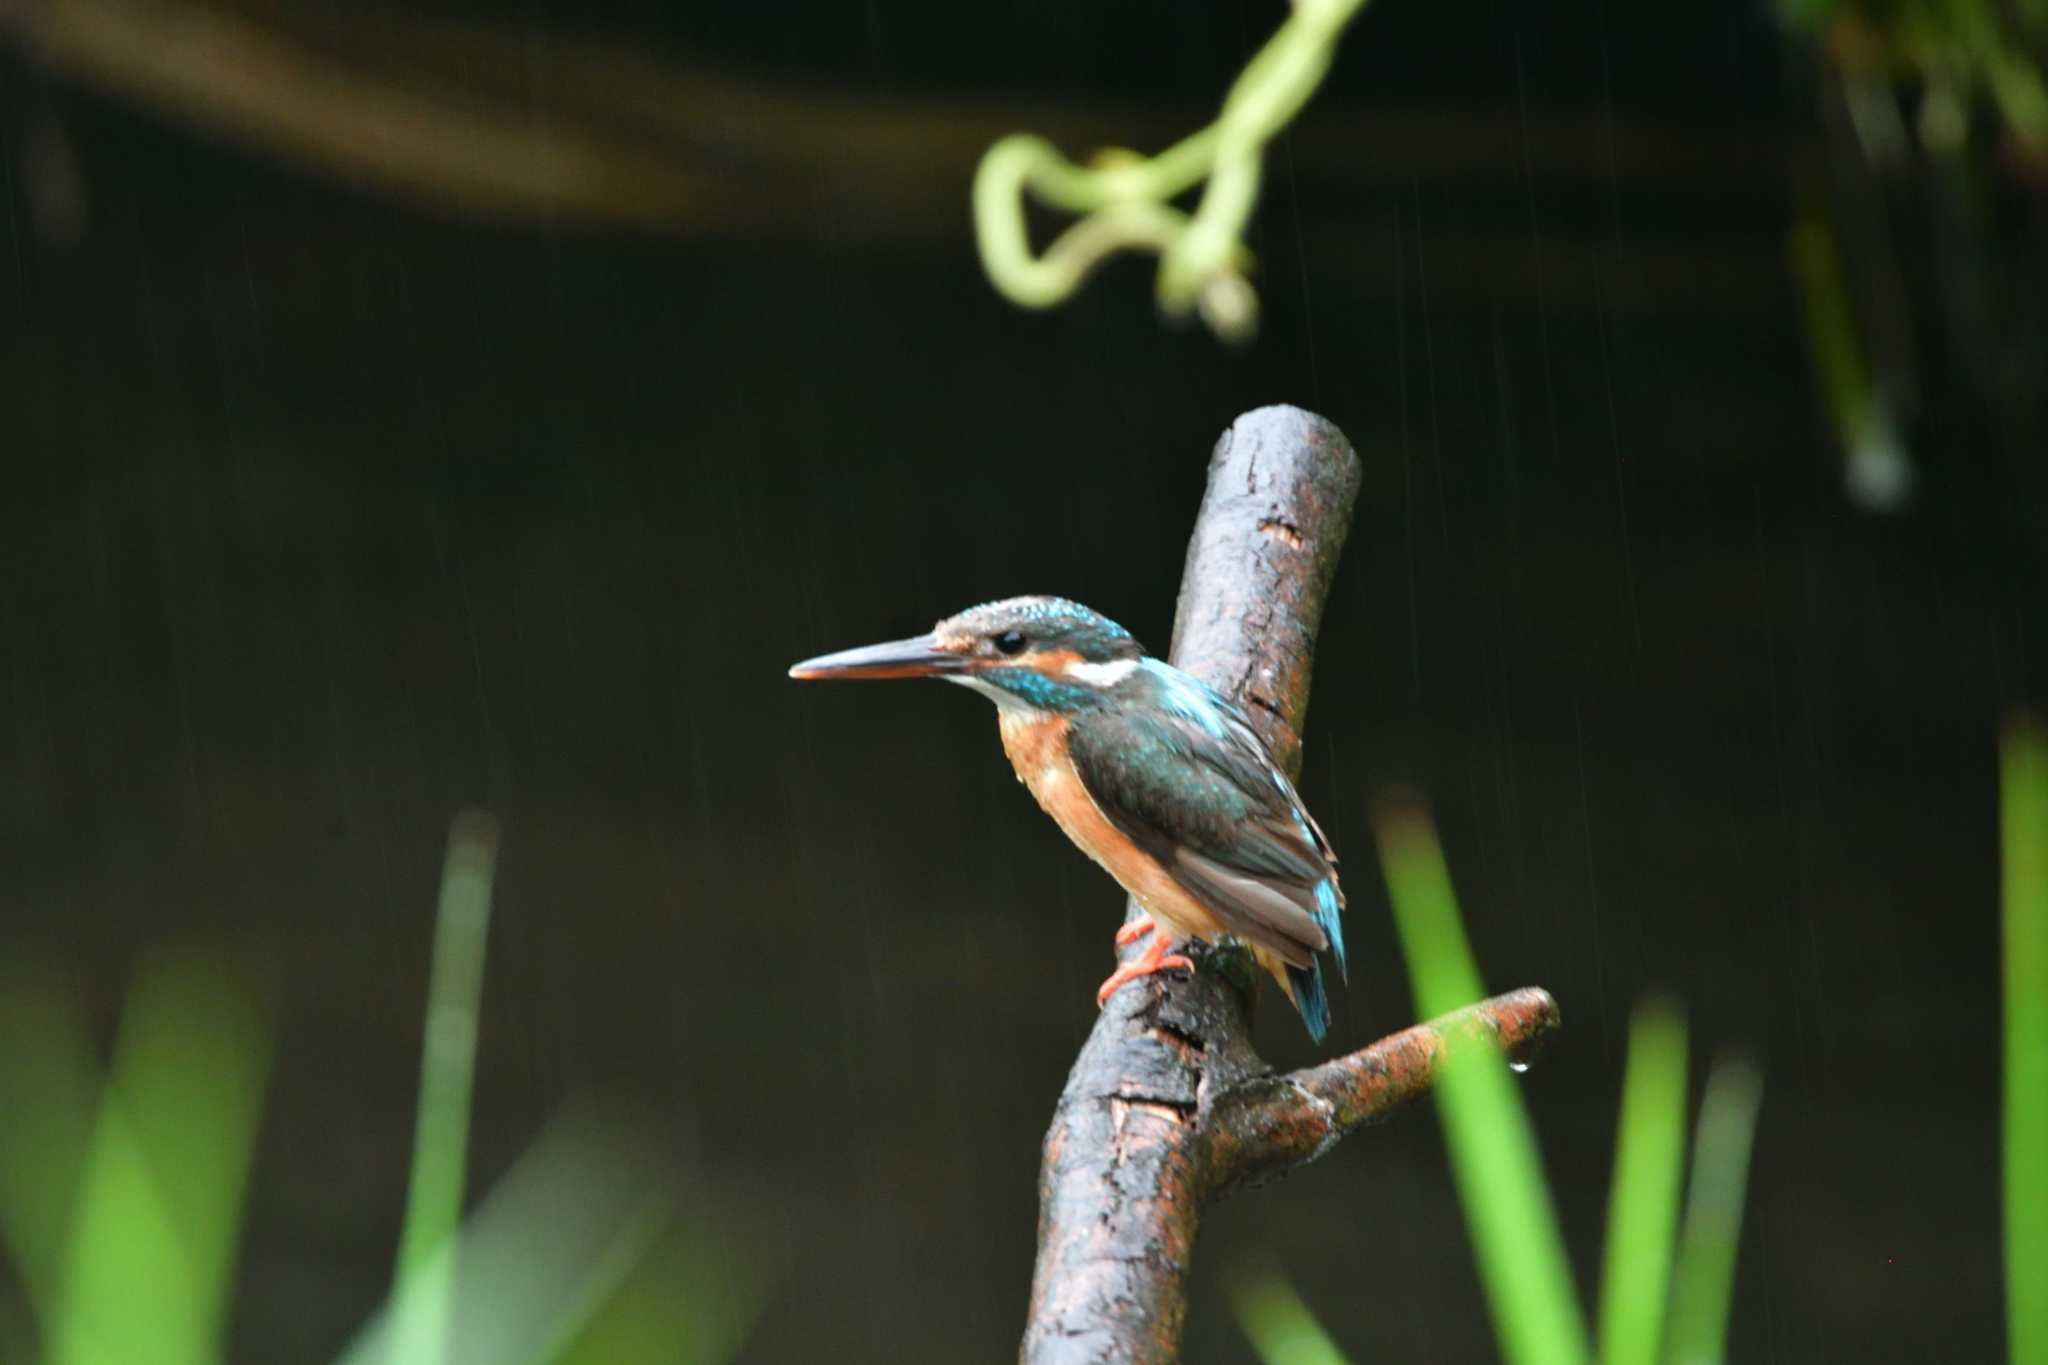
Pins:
<point x="1134" y="931"/>
<point x="1155" y="958"/>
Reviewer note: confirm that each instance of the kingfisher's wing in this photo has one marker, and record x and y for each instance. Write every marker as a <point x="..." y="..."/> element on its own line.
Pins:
<point x="1189" y="782"/>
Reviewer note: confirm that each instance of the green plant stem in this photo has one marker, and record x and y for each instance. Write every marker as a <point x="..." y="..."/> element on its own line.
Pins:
<point x="1270" y="91"/>
<point x="426" y="1264"/>
<point x="2023" y="835"/>
<point x="1126" y="198"/>
<point x="1877" y="467"/>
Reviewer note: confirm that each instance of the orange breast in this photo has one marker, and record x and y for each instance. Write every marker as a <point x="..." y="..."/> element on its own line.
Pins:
<point x="1037" y="747"/>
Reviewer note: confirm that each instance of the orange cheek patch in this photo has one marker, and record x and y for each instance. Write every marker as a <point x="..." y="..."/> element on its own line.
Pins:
<point x="1051" y="662"/>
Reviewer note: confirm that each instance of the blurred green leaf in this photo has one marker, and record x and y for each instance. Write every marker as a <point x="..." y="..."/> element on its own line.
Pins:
<point x="1279" y="1324"/>
<point x="1878" y="470"/>
<point x="1492" y="1146"/>
<point x="1649" y="1171"/>
<point x="1645" y="1302"/>
<point x="1955" y="49"/>
<point x="1703" y="1285"/>
<point x="582" y="1243"/>
<point x="688" y="1300"/>
<point x="158" y="1211"/>
<point x="1440" y="962"/>
<point x="122" y="1202"/>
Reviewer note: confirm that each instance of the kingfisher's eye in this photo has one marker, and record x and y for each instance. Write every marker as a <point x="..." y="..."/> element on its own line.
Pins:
<point x="1009" y="642"/>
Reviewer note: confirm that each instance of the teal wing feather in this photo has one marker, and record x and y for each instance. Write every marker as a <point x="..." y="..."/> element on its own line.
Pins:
<point x="1184" y="776"/>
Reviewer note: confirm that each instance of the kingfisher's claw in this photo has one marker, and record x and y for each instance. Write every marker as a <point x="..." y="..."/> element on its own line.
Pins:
<point x="1134" y="931"/>
<point x="1155" y="958"/>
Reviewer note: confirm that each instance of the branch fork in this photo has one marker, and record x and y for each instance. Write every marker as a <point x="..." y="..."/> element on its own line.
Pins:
<point x="1167" y="1105"/>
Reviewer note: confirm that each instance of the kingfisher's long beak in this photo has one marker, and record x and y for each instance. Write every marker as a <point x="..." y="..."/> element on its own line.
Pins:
<point x="917" y="657"/>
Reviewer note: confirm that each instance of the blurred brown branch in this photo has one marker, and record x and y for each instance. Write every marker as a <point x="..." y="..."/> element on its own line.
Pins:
<point x="260" y="83"/>
<point x="500" y="121"/>
<point x="1167" y="1105"/>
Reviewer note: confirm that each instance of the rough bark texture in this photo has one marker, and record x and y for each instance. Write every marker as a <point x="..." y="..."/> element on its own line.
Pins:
<point x="1167" y="1104"/>
<point x="1265" y="547"/>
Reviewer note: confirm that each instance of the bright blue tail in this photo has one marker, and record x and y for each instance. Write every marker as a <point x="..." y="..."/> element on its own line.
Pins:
<point x="1330" y="918"/>
<point x="1308" y="981"/>
<point x="1309" y="998"/>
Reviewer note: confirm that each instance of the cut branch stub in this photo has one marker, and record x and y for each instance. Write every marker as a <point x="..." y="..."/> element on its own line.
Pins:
<point x="1264" y="550"/>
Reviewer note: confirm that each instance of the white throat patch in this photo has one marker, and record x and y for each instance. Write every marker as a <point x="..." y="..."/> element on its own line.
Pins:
<point x="1101" y="675"/>
<point x="1006" y="700"/>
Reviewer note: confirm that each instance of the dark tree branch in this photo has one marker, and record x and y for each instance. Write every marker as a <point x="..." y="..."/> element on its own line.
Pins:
<point x="1167" y="1105"/>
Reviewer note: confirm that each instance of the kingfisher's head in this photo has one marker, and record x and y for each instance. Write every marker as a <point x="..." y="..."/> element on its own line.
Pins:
<point x="1044" y="653"/>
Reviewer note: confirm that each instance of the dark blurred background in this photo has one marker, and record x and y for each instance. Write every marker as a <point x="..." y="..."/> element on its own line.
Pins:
<point x="348" y="483"/>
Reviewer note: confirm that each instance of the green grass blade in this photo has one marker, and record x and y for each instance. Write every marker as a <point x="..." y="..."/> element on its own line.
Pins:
<point x="159" y="1206"/>
<point x="2023" y="806"/>
<point x="1493" y="1150"/>
<point x="1703" y="1285"/>
<point x="1649" y="1170"/>
<point x="1279" y="1324"/>
<point x="424" y="1288"/>
<point x="1440" y="962"/>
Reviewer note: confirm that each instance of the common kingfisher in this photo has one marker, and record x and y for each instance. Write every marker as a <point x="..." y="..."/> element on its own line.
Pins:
<point x="1154" y="775"/>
